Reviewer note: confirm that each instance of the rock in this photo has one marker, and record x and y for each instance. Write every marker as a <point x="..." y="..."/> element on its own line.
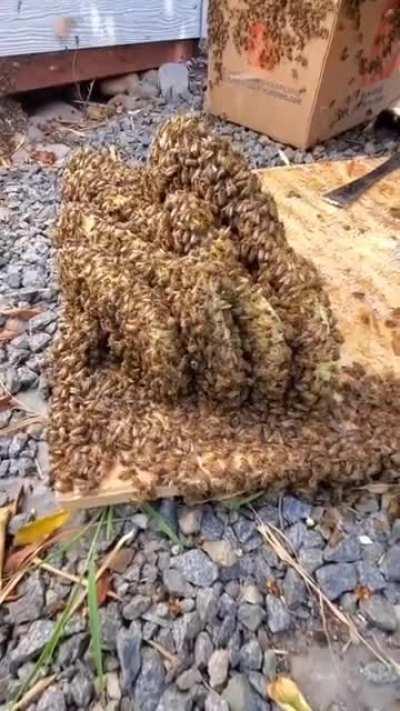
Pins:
<point x="212" y="528"/>
<point x="149" y="90"/>
<point x="270" y="665"/>
<point x="346" y="551"/>
<point x="336" y="579"/>
<point x="223" y="633"/>
<point x="136" y="607"/>
<point x="82" y="689"/>
<point x="295" y="510"/>
<point x="251" y="656"/>
<point x="55" y="110"/>
<point x="129" y="654"/>
<point x="40" y="322"/>
<point x="311" y="559"/>
<point x="126" y="84"/>
<point x="258" y="683"/>
<point x="4" y="468"/>
<point x="185" y="629"/>
<point x="27" y="377"/>
<point x="190" y="520"/>
<point x="391" y="564"/>
<point x="203" y="650"/>
<point x="151" y="77"/>
<point x="172" y="699"/>
<point x="370" y="576"/>
<point x="252" y="595"/>
<point x="174" y="80"/>
<point x="113" y="686"/>
<point x="52" y="699"/>
<point x="28" y="607"/>
<point x="72" y="649"/>
<point x="33" y="278"/>
<point x="245" y="529"/>
<point x="188" y="679"/>
<point x="207" y="603"/>
<point x="380" y="674"/>
<point x="250" y="616"/>
<point x="239" y="695"/>
<point x="380" y="613"/>
<point x="215" y="702"/>
<point x="39" y="341"/>
<point x="197" y="568"/>
<point x="169" y="511"/>
<point x="278" y="616"/>
<point x="395" y="534"/>
<point x="175" y="583"/>
<point x="32" y="642"/>
<point x="348" y="603"/>
<point x="221" y="552"/>
<point x="217" y="667"/>
<point x="110" y="626"/>
<point x="294" y="589"/>
<point x="150" y="683"/>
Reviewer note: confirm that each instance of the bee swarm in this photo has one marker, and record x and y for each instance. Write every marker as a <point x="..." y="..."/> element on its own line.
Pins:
<point x="197" y="349"/>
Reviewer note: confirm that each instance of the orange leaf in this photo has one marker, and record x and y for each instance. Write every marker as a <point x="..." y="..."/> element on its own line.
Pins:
<point x="103" y="587"/>
<point x="5" y="402"/>
<point x="7" y="334"/>
<point x="122" y="560"/>
<point x="19" y="557"/>
<point x="42" y="528"/>
<point x="44" y="157"/>
<point x="22" y="313"/>
<point x="273" y="588"/>
<point x="362" y="593"/>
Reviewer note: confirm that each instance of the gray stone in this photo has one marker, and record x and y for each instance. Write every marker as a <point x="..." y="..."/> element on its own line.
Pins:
<point x="295" y="535"/>
<point x="129" y="654"/>
<point x="82" y="689"/>
<point x="251" y="594"/>
<point x="174" y="700"/>
<point x="244" y="529"/>
<point x="225" y="630"/>
<point x="110" y="626"/>
<point x="258" y="683"/>
<point x="113" y="685"/>
<point x="270" y="665"/>
<point x="250" y="616"/>
<point x="349" y="603"/>
<point x="391" y="564"/>
<point x="4" y="468"/>
<point x="346" y="551"/>
<point x="212" y="528"/>
<point x="168" y="511"/>
<point x="380" y="613"/>
<point x="33" y="278"/>
<point x="185" y="629"/>
<point x="262" y="571"/>
<point x="311" y="559"/>
<point x="197" y="568"/>
<point x="370" y="576"/>
<point x="203" y="650"/>
<point x="52" y="699"/>
<point x="221" y="552"/>
<point x="136" y="607"/>
<point x="174" y="80"/>
<point x="175" y="583"/>
<point x="190" y="520"/>
<point x="31" y="643"/>
<point x="39" y="341"/>
<point x="5" y="443"/>
<point x="40" y="322"/>
<point x="188" y="679"/>
<point x="380" y="674"/>
<point x="27" y="377"/>
<point x="395" y="534"/>
<point x="278" y="616"/>
<point x="294" y="589"/>
<point x="251" y="656"/>
<point x="294" y="509"/>
<point x="150" y="684"/>
<point x="217" y="667"/>
<point x="30" y="605"/>
<point x="215" y="702"/>
<point x="72" y="649"/>
<point x="14" y="276"/>
<point x="336" y="579"/>
<point x="239" y="694"/>
<point x="18" y="444"/>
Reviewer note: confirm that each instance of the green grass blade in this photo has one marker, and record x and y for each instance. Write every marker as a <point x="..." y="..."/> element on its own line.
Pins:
<point x="236" y="504"/>
<point x="95" y="623"/>
<point x="163" y="525"/>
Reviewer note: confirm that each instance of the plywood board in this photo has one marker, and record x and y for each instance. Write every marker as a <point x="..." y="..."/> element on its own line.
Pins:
<point x="37" y="71"/>
<point x="358" y="252"/>
<point x="30" y="26"/>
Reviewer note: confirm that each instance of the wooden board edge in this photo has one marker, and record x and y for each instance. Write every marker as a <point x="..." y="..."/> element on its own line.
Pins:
<point x="38" y="71"/>
<point x="75" y="501"/>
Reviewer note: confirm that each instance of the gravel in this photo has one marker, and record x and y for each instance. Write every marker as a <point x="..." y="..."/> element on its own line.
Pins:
<point x="223" y="605"/>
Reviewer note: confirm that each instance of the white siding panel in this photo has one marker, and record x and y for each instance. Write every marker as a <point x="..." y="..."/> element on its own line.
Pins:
<point x="32" y="26"/>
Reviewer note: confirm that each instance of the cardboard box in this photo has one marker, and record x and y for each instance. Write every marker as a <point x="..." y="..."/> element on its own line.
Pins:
<point x="301" y="71"/>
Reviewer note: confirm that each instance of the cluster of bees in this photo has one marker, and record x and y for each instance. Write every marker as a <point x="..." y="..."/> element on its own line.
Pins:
<point x="197" y="349"/>
<point x="286" y="28"/>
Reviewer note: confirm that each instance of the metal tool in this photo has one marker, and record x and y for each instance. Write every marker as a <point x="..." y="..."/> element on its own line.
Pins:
<point x="349" y="193"/>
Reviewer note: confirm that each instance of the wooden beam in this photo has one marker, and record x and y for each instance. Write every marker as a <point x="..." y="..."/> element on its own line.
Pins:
<point x="37" y="71"/>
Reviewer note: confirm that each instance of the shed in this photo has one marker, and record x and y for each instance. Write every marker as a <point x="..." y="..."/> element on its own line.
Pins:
<point x="47" y="43"/>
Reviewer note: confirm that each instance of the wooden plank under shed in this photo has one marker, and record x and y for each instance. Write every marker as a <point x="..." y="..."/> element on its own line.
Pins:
<point x="358" y="252"/>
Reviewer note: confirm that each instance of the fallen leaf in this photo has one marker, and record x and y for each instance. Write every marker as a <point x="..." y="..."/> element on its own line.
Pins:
<point x="5" y="402"/>
<point x="103" y="587"/>
<point x="273" y="587"/>
<point x="122" y="560"/>
<point x="21" y="313"/>
<point x="44" y="157"/>
<point x="41" y="529"/>
<point x="362" y="593"/>
<point x="7" y="335"/>
<point x="4" y="516"/>
<point x="19" y="557"/>
<point x="287" y="695"/>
